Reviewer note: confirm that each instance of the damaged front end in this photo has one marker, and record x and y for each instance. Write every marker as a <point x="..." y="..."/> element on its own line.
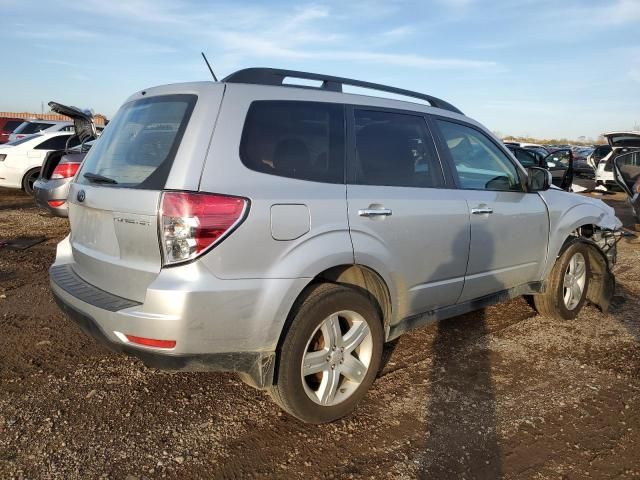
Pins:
<point x="602" y="258"/>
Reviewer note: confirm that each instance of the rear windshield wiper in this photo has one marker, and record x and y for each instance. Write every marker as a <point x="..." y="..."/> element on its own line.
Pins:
<point x="95" y="178"/>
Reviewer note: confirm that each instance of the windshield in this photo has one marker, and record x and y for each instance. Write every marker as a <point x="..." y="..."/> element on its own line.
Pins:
<point x="32" y="127"/>
<point x="137" y="149"/>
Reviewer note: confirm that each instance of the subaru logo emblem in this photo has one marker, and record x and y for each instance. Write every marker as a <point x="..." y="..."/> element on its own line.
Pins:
<point x="81" y="196"/>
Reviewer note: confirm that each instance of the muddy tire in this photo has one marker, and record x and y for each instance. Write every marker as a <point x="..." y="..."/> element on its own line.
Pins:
<point x="567" y="286"/>
<point x="330" y="355"/>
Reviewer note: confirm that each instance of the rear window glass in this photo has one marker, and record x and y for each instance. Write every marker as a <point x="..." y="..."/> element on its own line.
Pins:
<point x="138" y="148"/>
<point x="302" y="140"/>
<point x="29" y="127"/>
<point x="11" y="125"/>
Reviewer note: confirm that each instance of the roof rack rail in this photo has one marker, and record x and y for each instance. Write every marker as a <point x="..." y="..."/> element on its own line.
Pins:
<point x="274" y="76"/>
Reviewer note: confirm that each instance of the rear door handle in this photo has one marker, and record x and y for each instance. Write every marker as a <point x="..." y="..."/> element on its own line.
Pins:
<point x="481" y="210"/>
<point x="375" y="212"/>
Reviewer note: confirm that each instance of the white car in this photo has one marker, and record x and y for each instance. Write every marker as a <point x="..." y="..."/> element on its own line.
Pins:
<point x="20" y="161"/>
<point x="620" y="143"/>
<point x="30" y="127"/>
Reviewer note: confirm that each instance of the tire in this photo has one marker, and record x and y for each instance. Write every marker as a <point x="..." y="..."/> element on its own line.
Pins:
<point x="29" y="179"/>
<point x="327" y="320"/>
<point x="556" y="302"/>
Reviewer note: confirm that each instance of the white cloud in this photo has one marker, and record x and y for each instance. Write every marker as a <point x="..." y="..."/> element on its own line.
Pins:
<point x="399" y="32"/>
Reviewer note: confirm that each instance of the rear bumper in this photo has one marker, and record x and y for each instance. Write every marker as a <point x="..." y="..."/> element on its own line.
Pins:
<point x="45" y="190"/>
<point x="234" y="325"/>
<point x="257" y="366"/>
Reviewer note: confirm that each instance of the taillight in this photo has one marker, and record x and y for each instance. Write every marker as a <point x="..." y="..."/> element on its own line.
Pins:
<point x="56" y="203"/>
<point x="65" y="170"/>
<point x="193" y="222"/>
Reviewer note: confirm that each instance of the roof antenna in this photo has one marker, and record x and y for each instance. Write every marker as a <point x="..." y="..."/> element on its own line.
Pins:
<point x="208" y="65"/>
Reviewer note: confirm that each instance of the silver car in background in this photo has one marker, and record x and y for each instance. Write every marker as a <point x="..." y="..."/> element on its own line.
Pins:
<point x="60" y="166"/>
<point x="286" y="233"/>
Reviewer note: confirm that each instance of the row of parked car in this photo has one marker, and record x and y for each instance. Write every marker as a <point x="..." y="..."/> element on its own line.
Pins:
<point x="12" y="129"/>
<point x="567" y="162"/>
<point x="42" y="157"/>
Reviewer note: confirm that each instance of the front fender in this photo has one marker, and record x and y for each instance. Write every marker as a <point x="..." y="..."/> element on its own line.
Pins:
<point x="567" y="213"/>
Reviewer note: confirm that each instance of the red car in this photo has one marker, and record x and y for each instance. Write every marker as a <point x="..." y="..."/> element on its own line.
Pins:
<point x="7" y="126"/>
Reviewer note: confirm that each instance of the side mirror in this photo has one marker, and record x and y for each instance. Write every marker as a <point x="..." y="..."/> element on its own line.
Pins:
<point x="539" y="179"/>
<point x="626" y="172"/>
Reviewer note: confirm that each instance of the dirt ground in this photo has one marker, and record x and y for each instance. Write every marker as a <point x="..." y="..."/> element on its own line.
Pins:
<point x="497" y="393"/>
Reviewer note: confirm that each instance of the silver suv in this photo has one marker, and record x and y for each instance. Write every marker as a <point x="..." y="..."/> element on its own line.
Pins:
<point x="287" y="232"/>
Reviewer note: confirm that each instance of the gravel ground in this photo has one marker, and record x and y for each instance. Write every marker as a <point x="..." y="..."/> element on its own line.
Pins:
<point x="501" y="392"/>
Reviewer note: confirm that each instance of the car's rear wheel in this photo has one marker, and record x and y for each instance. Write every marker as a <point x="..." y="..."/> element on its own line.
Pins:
<point x="330" y="355"/>
<point x="29" y="179"/>
<point x="567" y="285"/>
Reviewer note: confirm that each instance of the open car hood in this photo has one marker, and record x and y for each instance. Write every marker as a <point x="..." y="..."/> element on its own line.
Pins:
<point x="623" y="139"/>
<point x="82" y="119"/>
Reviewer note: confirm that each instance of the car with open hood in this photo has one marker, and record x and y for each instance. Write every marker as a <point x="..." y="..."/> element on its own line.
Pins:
<point x="60" y="166"/>
<point x="286" y="233"/>
<point x="621" y="143"/>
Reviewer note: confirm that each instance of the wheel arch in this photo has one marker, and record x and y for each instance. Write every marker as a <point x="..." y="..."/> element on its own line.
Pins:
<point x="358" y="276"/>
<point x="26" y="174"/>
<point x="602" y="281"/>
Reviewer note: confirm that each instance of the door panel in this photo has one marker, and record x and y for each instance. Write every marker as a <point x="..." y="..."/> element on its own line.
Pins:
<point x="507" y="245"/>
<point x="560" y="164"/>
<point x="509" y="227"/>
<point x="422" y="245"/>
<point x="402" y="222"/>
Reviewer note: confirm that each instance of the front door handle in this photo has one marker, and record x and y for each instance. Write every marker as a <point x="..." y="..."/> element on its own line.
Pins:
<point x="375" y="212"/>
<point x="481" y="210"/>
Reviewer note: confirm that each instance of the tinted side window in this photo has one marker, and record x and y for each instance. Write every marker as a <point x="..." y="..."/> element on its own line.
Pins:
<point x="54" y="143"/>
<point x="480" y="164"/>
<point x="302" y="140"/>
<point x="394" y="149"/>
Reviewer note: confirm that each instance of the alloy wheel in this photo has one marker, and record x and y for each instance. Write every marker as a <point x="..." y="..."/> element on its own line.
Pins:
<point x="575" y="277"/>
<point x="337" y="358"/>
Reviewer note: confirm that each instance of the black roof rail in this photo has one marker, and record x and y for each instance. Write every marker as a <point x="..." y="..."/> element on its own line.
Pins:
<point x="274" y="76"/>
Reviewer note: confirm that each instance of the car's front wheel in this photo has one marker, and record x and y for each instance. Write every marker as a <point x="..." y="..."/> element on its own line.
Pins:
<point x="330" y="355"/>
<point x="567" y="284"/>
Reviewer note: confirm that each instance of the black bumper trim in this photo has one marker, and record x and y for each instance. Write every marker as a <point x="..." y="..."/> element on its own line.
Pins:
<point x="256" y="367"/>
<point x="68" y="280"/>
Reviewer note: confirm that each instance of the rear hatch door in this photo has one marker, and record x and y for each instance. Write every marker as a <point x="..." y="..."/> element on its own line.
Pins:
<point x="623" y="139"/>
<point x="156" y="141"/>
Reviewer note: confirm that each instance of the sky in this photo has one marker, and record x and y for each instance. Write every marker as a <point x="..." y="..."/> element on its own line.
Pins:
<point x="543" y="68"/>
